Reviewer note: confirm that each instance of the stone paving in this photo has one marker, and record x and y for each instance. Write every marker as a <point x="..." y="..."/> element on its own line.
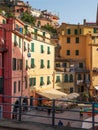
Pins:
<point x="48" y="119"/>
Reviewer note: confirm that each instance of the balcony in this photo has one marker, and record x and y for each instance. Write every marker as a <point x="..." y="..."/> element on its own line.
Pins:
<point x="84" y="70"/>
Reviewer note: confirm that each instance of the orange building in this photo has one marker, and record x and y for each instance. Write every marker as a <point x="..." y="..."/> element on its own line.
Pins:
<point x="79" y="55"/>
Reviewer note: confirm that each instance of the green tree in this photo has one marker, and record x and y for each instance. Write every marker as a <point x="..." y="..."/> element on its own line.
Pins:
<point x="26" y="17"/>
<point x="49" y="28"/>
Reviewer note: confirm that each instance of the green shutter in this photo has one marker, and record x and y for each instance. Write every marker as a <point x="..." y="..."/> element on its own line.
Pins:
<point x="34" y="81"/>
<point x="35" y="31"/>
<point x="32" y="47"/>
<point x="42" y="64"/>
<point x="79" y="77"/>
<point x="71" y="78"/>
<point x="32" y="63"/>
<point x="57" y="79"/>
<point x="30" y="82"/>
<point x="42" y="49"/>
<point x="76" y="31"/>
<point x="48" y="80"/>
<point x="44" y="34"/>
<point x="41" y="81"/>
<point x="66" y="78"/>
<point x="48" y="64"/>
<point x="48" y="52"/>
<point x="68" y="31"/>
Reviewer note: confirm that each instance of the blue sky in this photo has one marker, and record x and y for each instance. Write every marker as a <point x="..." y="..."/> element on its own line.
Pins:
<point x="69" y="11"/>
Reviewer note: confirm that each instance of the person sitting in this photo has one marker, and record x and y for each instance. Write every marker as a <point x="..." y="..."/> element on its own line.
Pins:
<point x="60" y="123"/>
<point x="68" y="124"/>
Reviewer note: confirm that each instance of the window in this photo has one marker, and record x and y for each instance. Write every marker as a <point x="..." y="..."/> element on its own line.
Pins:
<point x="27" y="67"/>
<point x="77" y="39"/>
<point x="42" y="49"/>
<point x="21" y="64"/>
<point x="48" y="80"/>
<point x="68" y="31"/>
<point x="25" y="46"/>
<point x="76" y="31"/>
<point x="57" y="79"/>
<point x="32" y="81"/>
<point x="79" y="77"/>
<point x="68" y="52"/>
<point x="71" y="78"/>
<point x="35" y="31"/>
<point x="42" y="64"/>
<point x="26" y="82"/>
<point x="32" y="47"/>
<point x="68" y="39"/>
<point x="32" y="63"/>
<point x="57" y="64"/>
<point x="14" y="63"/>
<point x="15" y="40"/>
<point x="94" y="30"/>
<point x="48" y="64"/>
<point x="64" y="64"/>
<point x="1" y="85"/>
<point x="14" y="86"/>
<point x="19" y="42"/>
<point x="18" y="86"/>
<point x="38" y="24"/>
<point x="80" y="65"/>
<point x="66" y="78"/>
<point x="77" y="52"/>
<point x="48" y="50"/>
<point x="44" y="34"/>
<point x="41" y="81"/>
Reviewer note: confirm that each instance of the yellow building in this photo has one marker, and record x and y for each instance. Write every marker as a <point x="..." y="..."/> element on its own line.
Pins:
<point x="79" y="53"/>
<point x="40" y="66"/>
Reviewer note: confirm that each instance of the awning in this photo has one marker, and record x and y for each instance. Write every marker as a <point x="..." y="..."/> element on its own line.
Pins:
<point x="96" y="87"/>
<point x="52" y="94"/>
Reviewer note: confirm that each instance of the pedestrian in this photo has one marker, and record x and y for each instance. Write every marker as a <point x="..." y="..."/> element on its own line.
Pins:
<point x="49" y="111"/>
<point x="68" y="124"/>
<point x="60" y="123"/>
<point x="81" y="113"/>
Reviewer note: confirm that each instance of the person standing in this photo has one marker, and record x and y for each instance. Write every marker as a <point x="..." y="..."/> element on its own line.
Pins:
<point x="60" y="123"/>
<point x="49" y="111"/>
<point x="81" y="113"/>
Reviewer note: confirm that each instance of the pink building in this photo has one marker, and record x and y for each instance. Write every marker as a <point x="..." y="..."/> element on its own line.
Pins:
<point x="13" y="76"/>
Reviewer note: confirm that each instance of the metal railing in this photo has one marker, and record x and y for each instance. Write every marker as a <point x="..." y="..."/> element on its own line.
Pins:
<point x="26" y="109"/>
